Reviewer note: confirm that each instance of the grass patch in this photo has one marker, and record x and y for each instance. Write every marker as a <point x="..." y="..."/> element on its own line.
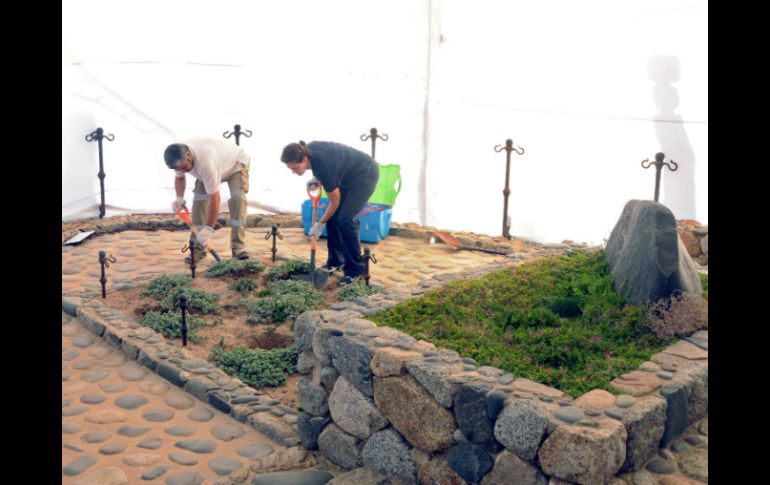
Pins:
<point x="351" y="292"/>
<point x="557" y="321"/>
<point x="169" y="324"/>
<point x="256" y="367"/>
<point x="244" y="286"/>
<point x="285" y="300"/>
<point x="235" y="267"/>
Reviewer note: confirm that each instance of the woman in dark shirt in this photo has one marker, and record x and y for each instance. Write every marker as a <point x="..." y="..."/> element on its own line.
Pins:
<point x="349" y="177"/>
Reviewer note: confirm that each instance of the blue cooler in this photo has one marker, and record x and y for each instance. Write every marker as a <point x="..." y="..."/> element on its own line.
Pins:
<point x="374" y="219"/>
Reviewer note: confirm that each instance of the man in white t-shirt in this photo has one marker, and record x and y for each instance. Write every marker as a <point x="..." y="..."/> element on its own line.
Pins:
<point x="211" y="161"/>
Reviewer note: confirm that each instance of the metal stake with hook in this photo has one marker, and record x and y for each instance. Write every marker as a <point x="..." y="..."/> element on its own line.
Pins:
<point x="367" y="257"/>
<point x="507" y="191"/>
<point x="191" y="247"/>
<point x="98" y="135"/>
<point x="273" y="232"/>
<point x="104" y="261"/>
<point x="237" y="132"/>
<point x="658" y="166"/>
<point x="373" y="135"/>
<point x="183" y="306"/>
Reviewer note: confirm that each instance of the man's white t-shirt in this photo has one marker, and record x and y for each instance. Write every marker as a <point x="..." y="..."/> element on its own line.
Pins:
<point x="214" y="161"/>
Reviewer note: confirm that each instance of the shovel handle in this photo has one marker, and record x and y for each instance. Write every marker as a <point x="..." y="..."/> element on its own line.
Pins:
<point x="185" y="216"/>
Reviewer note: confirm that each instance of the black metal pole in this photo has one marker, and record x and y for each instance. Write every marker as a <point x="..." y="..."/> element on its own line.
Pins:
<point x="373" y="135"/>
<point x="98" y="135"/>
<point x="658" y="166"/>
<point x="275" y="234"/>
<point x="368" y="256"/>
<point x="507" y="190"/>
<point x="192" y="255"/>
<point x="237" y="132"/>
<point x="183" y="307"/>
<point x="104" y="261"/>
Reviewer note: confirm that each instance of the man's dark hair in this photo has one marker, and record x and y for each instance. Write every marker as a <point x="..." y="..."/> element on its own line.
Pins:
<point x="175" y="153"/>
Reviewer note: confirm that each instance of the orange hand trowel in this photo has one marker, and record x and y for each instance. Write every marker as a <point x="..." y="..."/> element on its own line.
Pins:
<point x="185" y="216"/>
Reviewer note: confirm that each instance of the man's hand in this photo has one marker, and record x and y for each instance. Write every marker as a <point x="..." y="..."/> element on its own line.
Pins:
<point x="317" y="229"/>
<point x="204" y="235"/>
<point x="178" y="204"/>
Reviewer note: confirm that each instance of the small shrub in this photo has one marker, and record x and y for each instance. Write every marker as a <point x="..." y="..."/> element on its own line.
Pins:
<point x="704" y="279"/>
<point x="203" y="301"/>
<point x="351" y="292"/>
<point x="256" y="367"/>
<point x="170" y="324"/>
<point x="161" y="286"/>
<point x="235" y="267"/>
<point x="243" y="286"/>
<point x="288" y="269"/>
<point x="287" y="300"/>
<point x="680" y="316"/>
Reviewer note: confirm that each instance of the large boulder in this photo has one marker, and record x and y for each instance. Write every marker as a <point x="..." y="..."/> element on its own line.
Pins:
<point x="647" y="257"/>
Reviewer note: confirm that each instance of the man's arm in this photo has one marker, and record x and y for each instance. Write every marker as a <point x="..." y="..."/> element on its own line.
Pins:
<point x="213" y="209"/>
<point x="179" y="185"/>
<point x="334" y="202"/>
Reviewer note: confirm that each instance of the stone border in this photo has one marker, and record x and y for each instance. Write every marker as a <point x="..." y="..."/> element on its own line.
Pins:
<point x="376" y="397"/>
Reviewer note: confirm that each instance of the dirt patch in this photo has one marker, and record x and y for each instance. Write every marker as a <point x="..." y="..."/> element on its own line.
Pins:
<point x="228" y="327"/>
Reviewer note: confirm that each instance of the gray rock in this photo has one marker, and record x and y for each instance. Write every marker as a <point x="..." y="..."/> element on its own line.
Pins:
<point x="340" y="448"/>
<point x="73" y="447"/>
<point x="274" y="427"/>
<point x="70" y="428"/>
<point x="353" y="412"/>
<point x="625" y="401"/>
<point x="108" y="475"/>
<point x="434" y="377"/>
<point x="470" y="461"/>
<point x="181" y="430"/>
<point x="227" y="431"/>
<point x="150" y="443"/>
<point x="113" y="387"/>
<point x="94" y="376"/>
<point x="185" y="478"/>
<point x="647" y="257"/>
<point x="155" y="473"/>
<point x="313" y="399"/>
<point x="158" y="415"/>
<point x="201" y="415"/>
<point x="360" y="476"/>
<point x="306" y="362"/>
<point x="131" y="402"/>
<point x="182" y="458"/>
<point x="470" y="410"/>
<point x="77" y="466"/>
<point x="92" y="398"/>
<point x="304" y="328"/>
<point x="644" y="423"/>
<point x="676" y="412"/>
<point x="509" y="468"/>
<point x="521" y="426"/>
<point x="388" y="452"/>
<point x="132" y="373"/>
<point x="96" y="436"/>
<point x="569" y="414"/>
<point x="73" y="411"/>
<point x="180" y="401"/>
<point x="309" y="428"/>
<point x="197" y="446"/>
<point x="112" y="448"/>
<point x="224" y="465"/>
<point x="351" y="359"/>
<point x="83" y="341"/>
<point x="255" y="451"/>
<point x="308" y="477"/>
<point x="659" y="465"/>
<point x="328" y="378"/>
<point x="132" y="431"/>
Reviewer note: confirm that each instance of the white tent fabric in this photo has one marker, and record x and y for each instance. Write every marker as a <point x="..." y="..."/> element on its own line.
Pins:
<point x="588" y="89"/>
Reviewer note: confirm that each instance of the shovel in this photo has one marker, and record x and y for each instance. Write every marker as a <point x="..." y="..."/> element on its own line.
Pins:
<point x="185" y="216"/>
<point x="457" y="244"/>
<point x="317" y="277"/>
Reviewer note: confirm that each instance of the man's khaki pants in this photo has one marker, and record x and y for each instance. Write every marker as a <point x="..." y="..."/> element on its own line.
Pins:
<point x="239" y="187"/>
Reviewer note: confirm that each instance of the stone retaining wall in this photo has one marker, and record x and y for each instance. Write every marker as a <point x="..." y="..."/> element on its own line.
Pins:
<point x="376" y="397"/>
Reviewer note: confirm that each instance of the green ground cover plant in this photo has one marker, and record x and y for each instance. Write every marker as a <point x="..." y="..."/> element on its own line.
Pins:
<point x="257" y="367"/>
<point x="557" y="321"/>
<point x="286" y="299"/>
